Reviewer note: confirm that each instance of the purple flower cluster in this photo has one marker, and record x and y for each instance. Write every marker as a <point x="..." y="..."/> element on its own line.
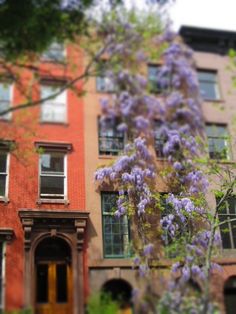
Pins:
<point x="131" y="172"/>
<point x="196" y="181"/>
<point x="178" y="108"/>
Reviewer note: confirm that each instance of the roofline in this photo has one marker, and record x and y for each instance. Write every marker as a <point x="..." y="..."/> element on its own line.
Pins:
<point x="208" y="40"/>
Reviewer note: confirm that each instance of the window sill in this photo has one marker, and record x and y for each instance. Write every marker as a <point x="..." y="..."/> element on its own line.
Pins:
<point x="54" y="123"/>
<point x="51" y="60"/>
<point x="213" y="100"/>
<point x="105" y="92"/>
<point x="6" y="120"/>
<point x="108" y="156"/>
<point x="52" y="201"/>
<point x="112" y="262"/>
<point x="4" y="199"/>
<point x="223" y="161"/>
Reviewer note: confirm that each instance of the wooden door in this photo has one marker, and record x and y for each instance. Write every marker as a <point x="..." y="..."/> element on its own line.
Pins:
<point x="53" y="288"/>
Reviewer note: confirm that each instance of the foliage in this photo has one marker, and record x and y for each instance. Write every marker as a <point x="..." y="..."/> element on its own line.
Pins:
<point x="25" y="311"/>
<point x="101" y="303"/>
<point x="38" y="23"/>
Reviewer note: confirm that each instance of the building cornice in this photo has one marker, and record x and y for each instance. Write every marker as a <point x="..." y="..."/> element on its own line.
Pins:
<point x="208" y="40"/>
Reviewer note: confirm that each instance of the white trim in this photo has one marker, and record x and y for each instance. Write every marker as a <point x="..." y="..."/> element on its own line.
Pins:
<point x="65" y="178"/>
<point x="64" y="175"/>
<point x="8" y="116"/>
<point x="7" y="178"/>
<point x="53" y="104"/>
<point x="7" y="175"/>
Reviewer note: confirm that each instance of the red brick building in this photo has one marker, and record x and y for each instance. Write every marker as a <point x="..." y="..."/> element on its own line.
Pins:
<point x="42" y="197"/>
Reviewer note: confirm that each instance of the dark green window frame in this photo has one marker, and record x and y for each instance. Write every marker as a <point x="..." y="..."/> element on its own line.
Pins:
<point x="228" y="229"/>
<point x="111" y="141"/>
<point x="155" y="86"/>
<point x="218" y="141"/>
<point x="116" y="231"/>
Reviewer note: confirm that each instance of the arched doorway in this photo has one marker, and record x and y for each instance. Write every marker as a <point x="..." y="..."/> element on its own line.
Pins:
<point x="120" y="291"/>
<point x="53" y="280"/>
<point x="230" y="295"/>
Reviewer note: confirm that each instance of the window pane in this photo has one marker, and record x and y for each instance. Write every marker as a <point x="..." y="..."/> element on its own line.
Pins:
<point x="207" y="76"/>
<point x="159" y="140"/>
<point x="227" y="212"/>
<point x="52" y="185"/>
<point x="53" y="162"/>
<point x="2" y="185"/>
<point x="53" y="110"/>
<point x="5" y="92"/>
<point x="208" y="90"/>
<point x="115" y="230"/>
<point x="111" y="141"/>
<point x="232" y="205"/>
<point x="215" y="130"/>
<point x="208" y="85"/>
<point x="105" y="84"/>
<point x="3" y="162"/>
<point x="225" y="233"/>
<point x="158" y="81"/>
<point x="54" y="53"/>
<point x="218" y="142"/>
<point x="61" y="283"/>
<point x="42" y="283"/>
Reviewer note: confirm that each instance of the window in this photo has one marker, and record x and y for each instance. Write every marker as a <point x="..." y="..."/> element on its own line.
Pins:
<point x="208" y="85"/>
<point x="4" y="169"/>
<point x="159" y="140"/>
<point x="55" y="109"/>
<point x="103" y="82"/>
<point x="54" y="53"/>
<point x="228" y="229"/>
<point x="115" y="230"/>
<point x="111" y="141"/>
<point x="218" y="141"/>
<point x="157" y="86"/>
<point x="5" y="99"/>
<point x="53" y="175"/>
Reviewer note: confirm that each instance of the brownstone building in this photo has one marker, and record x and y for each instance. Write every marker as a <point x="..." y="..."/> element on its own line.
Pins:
<point x="109" y="260"/>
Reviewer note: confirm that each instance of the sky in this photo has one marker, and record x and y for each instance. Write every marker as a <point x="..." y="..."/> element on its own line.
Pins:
<point x="216" y="14"/>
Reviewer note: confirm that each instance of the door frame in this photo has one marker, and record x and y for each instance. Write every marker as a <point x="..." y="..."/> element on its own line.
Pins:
<point x="68" y="225"/>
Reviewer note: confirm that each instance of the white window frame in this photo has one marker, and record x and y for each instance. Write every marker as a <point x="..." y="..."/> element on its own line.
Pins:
<point x="5" y="197"/>
<point x="8" y="115"/>
<point x="61" y="197"/>
<point x="60" y="100"/>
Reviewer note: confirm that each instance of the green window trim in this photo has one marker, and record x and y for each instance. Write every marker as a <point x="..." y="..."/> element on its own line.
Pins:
<point x="115" y="231"/>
